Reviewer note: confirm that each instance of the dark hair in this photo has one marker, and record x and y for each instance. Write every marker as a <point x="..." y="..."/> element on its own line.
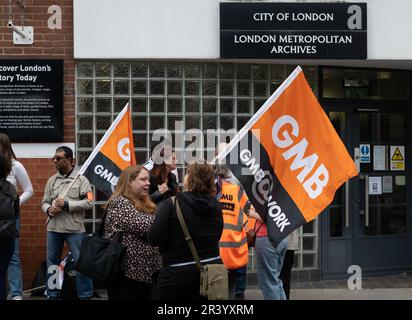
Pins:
<point x="222" y="171"/>
<point x="160" y="170"/>
<point x="5" y="167"/>
<point x="68" y="153"/>
<point x="201" y="178"/>
<point x="152" y="146"/>
<point x="5" y="147"/>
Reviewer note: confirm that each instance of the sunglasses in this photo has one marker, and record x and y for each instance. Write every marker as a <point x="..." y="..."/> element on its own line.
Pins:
<point x="56" y="158"/>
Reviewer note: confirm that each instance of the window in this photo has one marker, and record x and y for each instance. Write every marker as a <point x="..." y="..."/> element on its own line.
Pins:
<point x="365" y="84"/>
<point x="202" y="95"/>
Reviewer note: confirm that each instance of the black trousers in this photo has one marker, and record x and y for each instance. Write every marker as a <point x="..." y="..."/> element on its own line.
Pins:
<point x="287" y="270"/>
<point x="6" y="252"/>
<point x="178" y="283"/>
<point x="123" y="288"/>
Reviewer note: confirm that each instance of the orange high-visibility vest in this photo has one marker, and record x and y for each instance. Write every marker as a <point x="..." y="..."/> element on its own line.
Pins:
<point x="233" y="245"/>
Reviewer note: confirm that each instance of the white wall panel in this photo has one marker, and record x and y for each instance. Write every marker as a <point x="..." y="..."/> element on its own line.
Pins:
<point x="189" y="29"/>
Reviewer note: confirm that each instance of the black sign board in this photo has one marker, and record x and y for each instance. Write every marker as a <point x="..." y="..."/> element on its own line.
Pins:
<point x="31" y="100"/>
<point x="293" y="31"/>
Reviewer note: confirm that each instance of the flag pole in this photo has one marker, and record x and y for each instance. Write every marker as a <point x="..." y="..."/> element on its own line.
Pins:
<point x="70" y="185"/>
<point x="64" y="194"/>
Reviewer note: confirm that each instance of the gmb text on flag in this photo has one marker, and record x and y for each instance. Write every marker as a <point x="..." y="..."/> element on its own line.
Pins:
<point x="289" y="158"/>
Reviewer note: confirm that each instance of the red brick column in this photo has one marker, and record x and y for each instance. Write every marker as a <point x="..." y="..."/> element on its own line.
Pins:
<point x="48" y="44"/>
<point x="33" y="220"/>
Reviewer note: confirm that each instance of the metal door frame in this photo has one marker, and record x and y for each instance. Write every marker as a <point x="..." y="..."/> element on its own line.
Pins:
<point x="353" y="233"/>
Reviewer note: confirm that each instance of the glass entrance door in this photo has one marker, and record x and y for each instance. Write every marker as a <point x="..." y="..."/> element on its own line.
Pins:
<point x="369" y="222"/>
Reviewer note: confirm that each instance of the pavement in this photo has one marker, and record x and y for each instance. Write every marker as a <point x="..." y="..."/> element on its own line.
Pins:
<point x="340" y="294"/>
<point x="393" y="287"/>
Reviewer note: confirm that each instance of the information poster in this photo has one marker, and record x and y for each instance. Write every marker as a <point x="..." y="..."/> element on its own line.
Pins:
<point x="375" y="185"/>
<point x="31" y="100"/>
<point x="397" y="157"/>
<point x="400" y="180"/>
<point x="387" y="184"/>
<point x="380" y="158"/>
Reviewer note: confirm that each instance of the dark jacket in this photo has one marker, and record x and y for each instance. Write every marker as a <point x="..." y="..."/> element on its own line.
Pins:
<point x="9" y="211"/>
<point x="154" y="188"/>
<point x="203" y="217"/>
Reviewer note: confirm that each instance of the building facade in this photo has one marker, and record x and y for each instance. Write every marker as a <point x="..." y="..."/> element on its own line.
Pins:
<point x="169" y="60"/>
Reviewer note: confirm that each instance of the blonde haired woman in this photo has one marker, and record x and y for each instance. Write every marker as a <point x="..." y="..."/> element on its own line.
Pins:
<point x="131" y="211"/>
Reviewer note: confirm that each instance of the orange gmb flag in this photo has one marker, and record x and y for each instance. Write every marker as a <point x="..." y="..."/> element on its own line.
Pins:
<point x="114" y="152"/>
<point x="289" y="158"/>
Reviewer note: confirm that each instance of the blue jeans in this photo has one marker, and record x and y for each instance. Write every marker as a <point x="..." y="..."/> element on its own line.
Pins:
<point x="6" y="251"/>
<point x="269" y="262"/>
<point x="232" y="277"/>
<point x="55" y="243"/>
<point x="14" y="275"/>
<point x="241" y="283"/>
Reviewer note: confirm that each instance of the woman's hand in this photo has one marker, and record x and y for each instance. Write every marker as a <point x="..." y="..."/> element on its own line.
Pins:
<point x="163" y="188"/>
<point x="254" y="214"/>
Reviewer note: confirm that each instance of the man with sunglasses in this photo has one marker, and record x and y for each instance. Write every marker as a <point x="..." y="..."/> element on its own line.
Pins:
<point x="65" y="208"/>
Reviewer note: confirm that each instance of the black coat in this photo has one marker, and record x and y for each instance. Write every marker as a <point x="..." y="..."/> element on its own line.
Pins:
<point x="203" y="217"/>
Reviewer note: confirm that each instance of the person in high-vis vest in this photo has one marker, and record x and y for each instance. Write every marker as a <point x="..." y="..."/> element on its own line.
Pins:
<point x="232" y="245"/>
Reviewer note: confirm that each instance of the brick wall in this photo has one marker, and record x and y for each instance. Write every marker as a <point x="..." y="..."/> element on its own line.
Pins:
<point x="33" y="220"/>
<point x="48" y="44"/>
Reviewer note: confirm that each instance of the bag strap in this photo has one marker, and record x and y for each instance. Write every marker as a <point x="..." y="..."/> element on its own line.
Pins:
<point x="254" y="227"/>
<point x="186" y="232"/>
<point x="100" y="227"/>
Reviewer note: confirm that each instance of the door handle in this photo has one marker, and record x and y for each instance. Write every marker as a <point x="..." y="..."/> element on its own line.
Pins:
<point x="347" y="204"/>
<point x="365" y="204"/>
<point x="356" y="157"/>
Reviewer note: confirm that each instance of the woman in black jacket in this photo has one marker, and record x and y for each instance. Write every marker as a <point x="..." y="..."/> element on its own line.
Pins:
<point x="9" y="210"/>
<point x="179" y="278"/>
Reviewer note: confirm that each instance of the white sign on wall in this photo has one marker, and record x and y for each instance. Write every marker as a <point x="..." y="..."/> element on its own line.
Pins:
<point x="365" y="153"/>
<point x="375" y="185"/>
<point x="387" y="182"/>
<point x="380" y="158"/>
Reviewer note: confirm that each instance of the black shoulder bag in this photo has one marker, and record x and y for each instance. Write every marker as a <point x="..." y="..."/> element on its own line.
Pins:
<point x="100" y="257"/>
